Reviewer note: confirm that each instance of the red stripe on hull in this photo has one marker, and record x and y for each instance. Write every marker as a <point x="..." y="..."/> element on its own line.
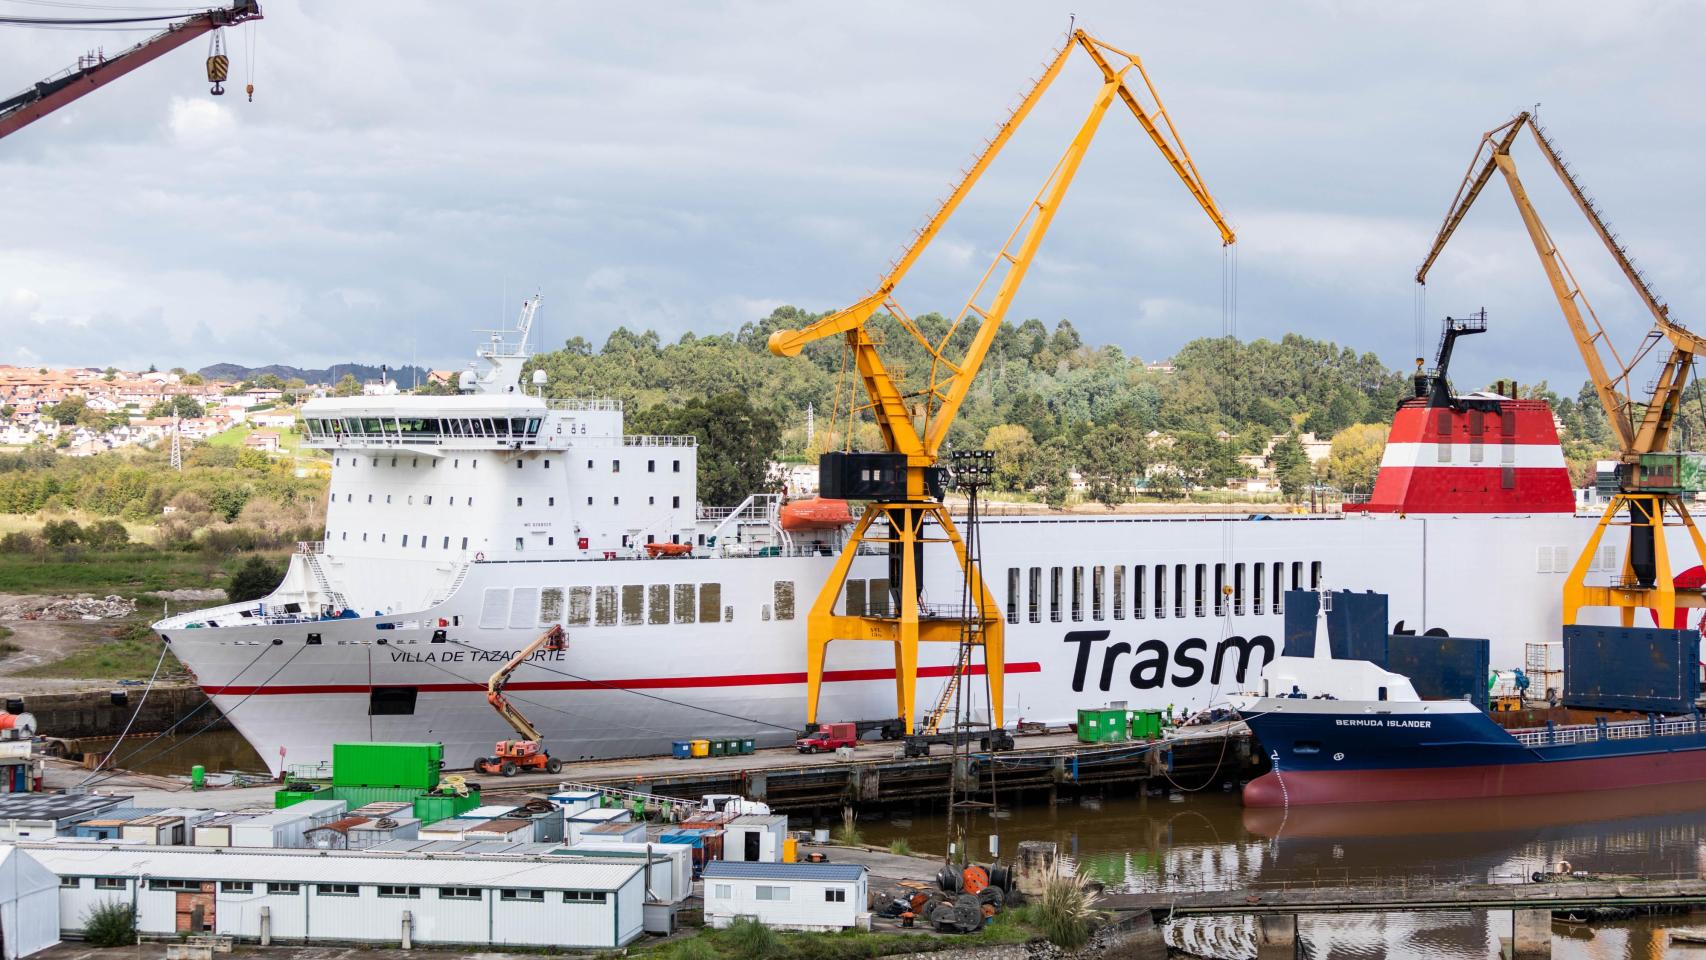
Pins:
<point x="646" y="683"/>
<point x="1469" y="490"/>
<point x="1307" y="787"/>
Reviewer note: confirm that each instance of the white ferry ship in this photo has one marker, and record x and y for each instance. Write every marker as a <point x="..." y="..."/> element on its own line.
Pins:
<point x="459" y="527"/>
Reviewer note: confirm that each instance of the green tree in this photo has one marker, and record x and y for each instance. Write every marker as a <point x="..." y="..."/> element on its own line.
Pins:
<point x="192" y="379"/>
<point x="1110" y="459"/>
<point x="1291" y="465"/>
<point x="67" y="411"/>
<point x="176" y="405"/>
<point x="1015" y="454"/>
<point x="255" y="579"/>
<point x="737" y="442"/>
<point x="1355" y="456"/>
<point x="61" y="533"/>
<point x="347" y="386"/>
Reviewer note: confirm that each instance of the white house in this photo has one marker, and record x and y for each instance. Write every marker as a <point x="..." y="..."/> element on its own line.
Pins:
<point x="755" y="838"/>
<point x="356" y="896"/>
<point x="786" y="896"/>
<point x="29" y="905"/>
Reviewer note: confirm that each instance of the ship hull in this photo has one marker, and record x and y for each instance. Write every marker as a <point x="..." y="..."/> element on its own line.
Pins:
<point x="630" y="684"/>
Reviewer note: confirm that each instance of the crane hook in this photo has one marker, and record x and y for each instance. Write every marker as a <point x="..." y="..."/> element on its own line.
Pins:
<point x="218" y="64"/>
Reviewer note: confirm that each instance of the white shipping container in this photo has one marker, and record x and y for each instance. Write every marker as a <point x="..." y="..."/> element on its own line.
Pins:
<point x="284" y="828"/>
<point x="671" y="876"/>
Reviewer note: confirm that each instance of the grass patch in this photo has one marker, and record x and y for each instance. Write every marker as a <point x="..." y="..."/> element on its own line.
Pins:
<point x="129" y="656"/>
<point x="126" y="571"/>
<point x="900" y="848"/>
<point x="1065" y="911"/>
<point x="739" y="942"/>
<point x="848" y="834"/>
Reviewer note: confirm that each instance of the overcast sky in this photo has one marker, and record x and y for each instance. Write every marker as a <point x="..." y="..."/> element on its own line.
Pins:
<point x="407" y="171"/>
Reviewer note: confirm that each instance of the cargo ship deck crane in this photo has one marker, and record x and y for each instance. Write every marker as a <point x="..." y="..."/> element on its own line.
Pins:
<point x="1649" y="481"/>
<point x="904" y="484"/>
<point x="510" y="756"/>
<point x="92" y="73"/>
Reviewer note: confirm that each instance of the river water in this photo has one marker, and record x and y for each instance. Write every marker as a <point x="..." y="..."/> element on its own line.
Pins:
<point x="1209" y="841"/>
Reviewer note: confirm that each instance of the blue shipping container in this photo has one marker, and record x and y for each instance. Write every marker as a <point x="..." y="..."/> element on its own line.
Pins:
<point x="1631" y="668"/>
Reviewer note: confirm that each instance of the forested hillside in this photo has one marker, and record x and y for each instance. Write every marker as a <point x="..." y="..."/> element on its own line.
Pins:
<point x="1045" y="400"/>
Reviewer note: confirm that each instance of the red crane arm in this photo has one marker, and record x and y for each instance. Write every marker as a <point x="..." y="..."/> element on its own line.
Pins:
<point x="49" y="95"/>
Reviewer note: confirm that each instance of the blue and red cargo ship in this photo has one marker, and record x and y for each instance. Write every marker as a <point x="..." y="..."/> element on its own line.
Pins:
<point x="1351" y="731"/>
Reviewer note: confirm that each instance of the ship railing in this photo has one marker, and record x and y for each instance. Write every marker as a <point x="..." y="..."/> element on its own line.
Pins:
<point x="607" y="404"/>
<point x="308" y="548"/>
<point x="308" y="771"/>
<point x="1593" y="732"/>
<point x="649" y="440"/>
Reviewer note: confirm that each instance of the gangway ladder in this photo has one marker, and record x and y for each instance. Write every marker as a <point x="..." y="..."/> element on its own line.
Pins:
<point x="313" y="562"/>
<point x="455" y="584"/>
<point x="946" y="701"/>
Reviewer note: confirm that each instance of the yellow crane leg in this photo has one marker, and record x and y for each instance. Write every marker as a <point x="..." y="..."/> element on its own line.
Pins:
<point x="1627" y="596"/>
<point x="820" y="628"/>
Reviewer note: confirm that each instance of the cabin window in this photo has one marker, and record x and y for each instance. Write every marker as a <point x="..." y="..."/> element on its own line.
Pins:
<point x="1077" y="594"/>
<point x="337" y="889"/>
<point x="405" y="539"/>
<point x="1139" y="577"/>
<point x="286" y="889"/>
<point x="710" y="602"/>
<point x="1296" y="575"/>
<point x="407" y="893"/>
<point x="684" y="601"/>
<point x="1098" y="584"/>
<point x="633" y="604"/>
<point x="520" y="544"/>
<point x="464" y="543"/>
<point x="1179" y="590"/>
<point x="855" y="598"/>
<point x="1279" y="588"/>
<point x="657" y="603"/>
<point x="550" y="606"/>
<point x="1238" y="589"/>
<point x="1258" y="578"/>
<point x="1055" y="585"/>
<point x="583" y="896"/>
<point x="1160" y="591"/>
<point x="1035" y="599"/>
<point x="615" y="466"/>
<point x="109" y="883"/>
<point x="604" y="606"/>
<point x="1219" y="590"/>
<point x="459" y="893"/>
<point x="550" y="501"/>
<point x="1315" y="575"/>
<point x="1119" y="592"/>
<point x="784" y="599"/>
<point x="525" y="896"/>
<point x="651" y="466"/>
<point x="580" y="606"/>
<point x="1012" y="594"/>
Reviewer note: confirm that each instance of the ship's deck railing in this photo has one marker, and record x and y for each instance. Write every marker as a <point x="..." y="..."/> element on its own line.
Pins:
<point x="1593" y="732"/>
<point x="577" y="403"/>
<point x="310" y="547"/>
<point x="647" y="440"/>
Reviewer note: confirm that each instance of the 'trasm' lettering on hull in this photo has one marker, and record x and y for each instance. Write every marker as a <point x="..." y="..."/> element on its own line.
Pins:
<point x="1152" y="665"/>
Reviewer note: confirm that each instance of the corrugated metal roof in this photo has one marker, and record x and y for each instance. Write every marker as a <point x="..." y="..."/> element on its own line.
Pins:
<point x="320" y="866"/>
<point x="784" y="871"/>
<point x="760" y="820"/>
<point x="55" y="806"/>
<point x="601" y="815"/>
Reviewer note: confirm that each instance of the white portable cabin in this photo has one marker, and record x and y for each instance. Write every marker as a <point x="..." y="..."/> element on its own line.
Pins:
<point x="616" y="831"/>
<point x="383" y="829"/>
<point x="216" y="831"/>
<point x="670" y="879"/>
<point x="574" y="801"/>
<point x="160" y="829"/>
<point x="504" y="829"/>
<point x="785" y="896"/>
<point x="284" y="828"/>
<point x="755" y="838"/>
<point x="345" y="897"/>
<point x="577" y="824"/>
<point x="29" y="904"/>
<point x="42" y="816"/>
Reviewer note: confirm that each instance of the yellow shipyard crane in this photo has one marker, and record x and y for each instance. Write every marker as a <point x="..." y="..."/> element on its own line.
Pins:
<point x="1650" y="483"/>
<point x="905" y="484"/>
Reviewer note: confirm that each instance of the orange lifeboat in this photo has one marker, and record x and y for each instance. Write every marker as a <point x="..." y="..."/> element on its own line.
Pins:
<point x="815" y="513"/>
<point x="668" y="549"/>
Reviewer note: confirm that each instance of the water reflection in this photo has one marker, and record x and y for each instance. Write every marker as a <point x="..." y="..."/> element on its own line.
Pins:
<point x="1147" y="844"/>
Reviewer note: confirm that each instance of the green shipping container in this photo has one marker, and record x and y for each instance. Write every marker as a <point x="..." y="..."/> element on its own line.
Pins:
<point x="387" y="764"/>
<point x="1102" y="725"/>
<point x="1146" y="725"/>
<point x="433" y="807"/>
<point x="361" y="796"/>
<point x="285" y="798"/>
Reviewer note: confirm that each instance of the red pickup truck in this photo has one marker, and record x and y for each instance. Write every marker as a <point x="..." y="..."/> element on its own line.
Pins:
<point x="828" y="737"/>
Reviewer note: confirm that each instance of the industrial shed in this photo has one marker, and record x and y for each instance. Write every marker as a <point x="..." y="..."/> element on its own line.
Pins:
<point x="355" y="897"/>
<point x="786" y="896"/>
